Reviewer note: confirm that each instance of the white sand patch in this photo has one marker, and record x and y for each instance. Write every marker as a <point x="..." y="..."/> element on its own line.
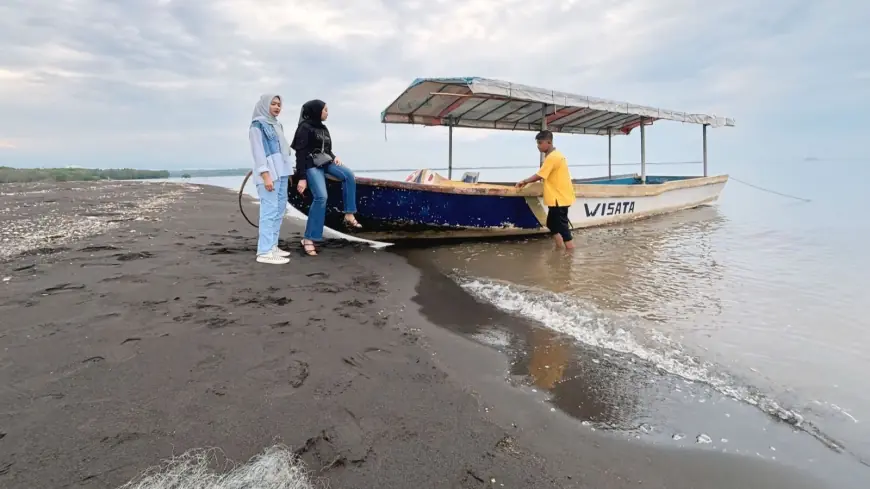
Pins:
<point x="31" y="225"/>
<point x="274" y="468"/>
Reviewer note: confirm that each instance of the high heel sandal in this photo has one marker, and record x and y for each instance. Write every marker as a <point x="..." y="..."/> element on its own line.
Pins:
<point x="308" y="248"/>
<point x="352" y="223"/>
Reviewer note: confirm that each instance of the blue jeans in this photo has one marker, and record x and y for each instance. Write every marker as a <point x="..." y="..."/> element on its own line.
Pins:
<point x="317" y="183"/>
<point x="273" y="205"/>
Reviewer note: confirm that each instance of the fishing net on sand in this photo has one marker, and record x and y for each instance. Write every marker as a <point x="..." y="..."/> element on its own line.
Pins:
<point x="274" y="468"/>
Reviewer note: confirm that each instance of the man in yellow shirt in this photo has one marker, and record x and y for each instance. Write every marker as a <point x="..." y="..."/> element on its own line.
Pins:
<point x="558" y="189"/>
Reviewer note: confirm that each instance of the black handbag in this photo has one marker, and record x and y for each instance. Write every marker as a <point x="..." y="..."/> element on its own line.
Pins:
<point x="321" y="158"/>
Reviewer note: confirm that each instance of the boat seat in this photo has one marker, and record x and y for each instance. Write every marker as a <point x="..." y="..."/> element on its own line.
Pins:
<point x="426" y="176"/>
<point x="470" y="176"/>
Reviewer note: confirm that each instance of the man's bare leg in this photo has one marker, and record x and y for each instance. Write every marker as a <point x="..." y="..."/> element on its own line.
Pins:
<point x="569" y="245"/>
<point x="557" y="238"/>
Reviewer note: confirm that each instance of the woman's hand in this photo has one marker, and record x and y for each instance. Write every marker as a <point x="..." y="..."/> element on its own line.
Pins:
<point x="338" y="161"/>
<point x="301" y="186"/>
<point x="267" y="181"/>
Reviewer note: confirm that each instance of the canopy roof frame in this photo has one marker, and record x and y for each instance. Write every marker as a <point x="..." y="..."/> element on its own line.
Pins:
<point x="484" y="103"/>
<point x="452" y="102"/>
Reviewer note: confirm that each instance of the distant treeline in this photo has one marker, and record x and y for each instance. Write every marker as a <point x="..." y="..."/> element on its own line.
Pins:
<point x="20" y="175"/>
<point x="231" y="172"/>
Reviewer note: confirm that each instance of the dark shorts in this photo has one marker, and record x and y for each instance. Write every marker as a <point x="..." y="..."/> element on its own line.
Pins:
<point x="557" y="222"/>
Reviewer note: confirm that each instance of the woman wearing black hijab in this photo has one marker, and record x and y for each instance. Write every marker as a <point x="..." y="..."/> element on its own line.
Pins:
<point x="314" y="159"/>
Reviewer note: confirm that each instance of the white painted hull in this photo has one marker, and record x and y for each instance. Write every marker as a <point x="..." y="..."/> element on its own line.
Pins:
<point x="588" y="212"/>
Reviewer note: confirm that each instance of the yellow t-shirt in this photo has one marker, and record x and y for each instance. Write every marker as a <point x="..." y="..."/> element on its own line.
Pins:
<point x="558" y="189"/>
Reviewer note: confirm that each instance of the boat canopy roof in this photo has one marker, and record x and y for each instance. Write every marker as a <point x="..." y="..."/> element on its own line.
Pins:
<point x="494" y="104"/>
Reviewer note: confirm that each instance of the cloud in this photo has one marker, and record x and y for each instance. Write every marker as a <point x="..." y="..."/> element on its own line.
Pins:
<point x="7" y="144"/>
<point x="335" y="24"/>
<point x="159" y="82"/>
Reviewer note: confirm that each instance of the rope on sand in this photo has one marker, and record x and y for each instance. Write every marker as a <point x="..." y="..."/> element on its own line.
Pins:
<point x="768" y="190"/>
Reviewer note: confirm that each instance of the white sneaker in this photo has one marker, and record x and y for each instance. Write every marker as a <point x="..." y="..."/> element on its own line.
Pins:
<point x="272" y="259"/>
<point x="280" y="252"/>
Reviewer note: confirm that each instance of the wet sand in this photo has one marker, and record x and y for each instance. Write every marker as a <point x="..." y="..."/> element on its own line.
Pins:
<point x="146" y="329"/>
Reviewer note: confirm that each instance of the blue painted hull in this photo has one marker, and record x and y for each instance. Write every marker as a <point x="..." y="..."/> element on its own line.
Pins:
<point x="386" y="210"/>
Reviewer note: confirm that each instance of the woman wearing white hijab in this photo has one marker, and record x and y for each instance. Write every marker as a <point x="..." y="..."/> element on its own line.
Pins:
<point x="271" y="171"/>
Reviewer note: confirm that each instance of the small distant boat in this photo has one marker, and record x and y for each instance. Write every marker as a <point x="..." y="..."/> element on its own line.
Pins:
<point x="427" y="205"/>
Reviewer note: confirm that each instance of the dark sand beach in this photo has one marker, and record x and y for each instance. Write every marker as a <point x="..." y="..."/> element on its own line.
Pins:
<point x="136" y="325"/>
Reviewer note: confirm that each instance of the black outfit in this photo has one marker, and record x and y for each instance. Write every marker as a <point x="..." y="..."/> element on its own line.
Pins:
<point x="558" y="222"/>
<point x="312" y="136"/>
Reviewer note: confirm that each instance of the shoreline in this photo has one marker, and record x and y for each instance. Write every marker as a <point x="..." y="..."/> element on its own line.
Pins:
<point x="128" y="347"/>
<point x="539" y="417"/>
<point x="618" y="394"/>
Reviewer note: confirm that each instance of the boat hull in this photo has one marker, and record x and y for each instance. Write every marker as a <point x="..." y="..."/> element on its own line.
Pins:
<point x="446" y="209"/>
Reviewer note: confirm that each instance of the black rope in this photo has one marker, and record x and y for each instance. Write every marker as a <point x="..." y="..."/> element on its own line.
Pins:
<point x="769" y="190"/>
<point x="241" y="192"/>
<point x="519" y="167"/>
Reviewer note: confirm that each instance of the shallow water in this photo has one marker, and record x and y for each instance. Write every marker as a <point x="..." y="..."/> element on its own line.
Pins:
<point x="737" y="326"/>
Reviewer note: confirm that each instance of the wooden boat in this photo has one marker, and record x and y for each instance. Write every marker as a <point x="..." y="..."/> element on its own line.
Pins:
<point x="428" y="205"/>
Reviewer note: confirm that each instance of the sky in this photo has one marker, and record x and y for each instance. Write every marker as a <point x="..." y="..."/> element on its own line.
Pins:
<point x="171" y="84"/>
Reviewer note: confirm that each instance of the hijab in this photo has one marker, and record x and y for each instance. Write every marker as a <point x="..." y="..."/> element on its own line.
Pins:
<point x="310" y="116"/>
<point x="312" y="112"/>
<point x="264" y="116"/>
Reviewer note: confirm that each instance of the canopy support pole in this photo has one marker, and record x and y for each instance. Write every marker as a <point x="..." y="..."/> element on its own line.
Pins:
<point x="704" y="132"/>
<point x="609" y="153"/>
<point x="642" y="152"/>
<point x="450" y="148"/>
<point x="543" y="128"/>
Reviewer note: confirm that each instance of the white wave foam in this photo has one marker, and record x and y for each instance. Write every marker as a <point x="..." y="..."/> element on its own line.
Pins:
<point x="592" y="327"/>
<point x="581" y="321"/>
<point x="274" y="468"/>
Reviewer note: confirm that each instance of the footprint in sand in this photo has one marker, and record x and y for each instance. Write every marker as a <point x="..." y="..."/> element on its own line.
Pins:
<point x="139" y="255"/>
<point x="55" y="289"/>
<point x="292" y="372"/>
